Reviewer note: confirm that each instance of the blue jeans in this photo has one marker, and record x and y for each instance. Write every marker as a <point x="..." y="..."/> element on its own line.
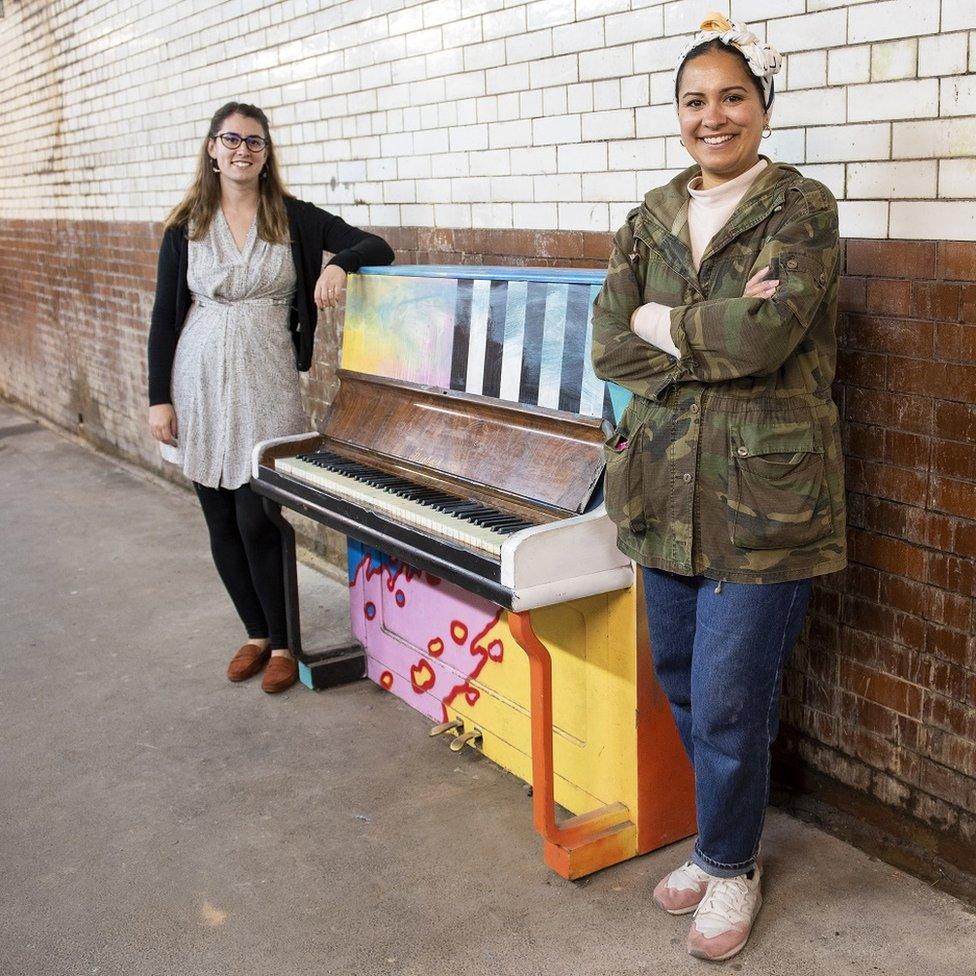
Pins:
<point x="719" y="652"/>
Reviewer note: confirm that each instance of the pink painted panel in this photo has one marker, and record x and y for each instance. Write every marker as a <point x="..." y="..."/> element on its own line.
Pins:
<point x="423" y="637"/>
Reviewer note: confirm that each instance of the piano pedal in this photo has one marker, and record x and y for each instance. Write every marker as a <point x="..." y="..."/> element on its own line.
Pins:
<point x="473" y="737"/>
<point x="455" y="723"/>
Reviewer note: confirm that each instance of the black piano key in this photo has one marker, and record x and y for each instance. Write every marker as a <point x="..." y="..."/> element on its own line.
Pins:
<point x="437" y="500"/>
<point x="465" y="506"/>
<point x="465" y="510"/>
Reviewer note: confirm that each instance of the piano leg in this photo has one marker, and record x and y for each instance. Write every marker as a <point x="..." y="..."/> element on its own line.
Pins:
<point x="582" y="844"/>
<point x="333" y="665"/>
<point x="289" y="560"/>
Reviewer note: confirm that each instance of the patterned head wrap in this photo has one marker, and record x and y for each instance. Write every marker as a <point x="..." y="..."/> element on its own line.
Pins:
<point x="764" y="61"/>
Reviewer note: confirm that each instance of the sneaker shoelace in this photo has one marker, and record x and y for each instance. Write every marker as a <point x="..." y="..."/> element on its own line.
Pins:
<point x="726" y="899"/>
<point x="687" y="877"/>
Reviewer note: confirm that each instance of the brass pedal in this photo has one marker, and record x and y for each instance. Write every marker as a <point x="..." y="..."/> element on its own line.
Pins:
<point x="474" y="737"/>
<point x="455" y="723"/>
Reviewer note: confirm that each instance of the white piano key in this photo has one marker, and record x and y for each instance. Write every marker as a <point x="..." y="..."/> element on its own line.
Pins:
<point x="404" y="510"/>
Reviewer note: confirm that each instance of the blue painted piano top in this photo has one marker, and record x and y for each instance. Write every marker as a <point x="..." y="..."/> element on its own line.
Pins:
<point x="465" y="272"/>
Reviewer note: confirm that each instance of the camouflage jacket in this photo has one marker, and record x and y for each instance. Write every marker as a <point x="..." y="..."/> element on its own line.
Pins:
<point x="727" y="461"/>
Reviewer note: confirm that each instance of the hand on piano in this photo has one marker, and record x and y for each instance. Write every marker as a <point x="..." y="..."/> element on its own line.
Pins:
<point x="162" y="423"/>
<point x="329" y="287"/>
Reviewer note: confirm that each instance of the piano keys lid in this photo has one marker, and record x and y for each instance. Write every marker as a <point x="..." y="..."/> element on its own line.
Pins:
<point x="549" y="459"/>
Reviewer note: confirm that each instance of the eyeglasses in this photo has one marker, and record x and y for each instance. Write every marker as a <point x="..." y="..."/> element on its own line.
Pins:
<point x="232" y="140"/>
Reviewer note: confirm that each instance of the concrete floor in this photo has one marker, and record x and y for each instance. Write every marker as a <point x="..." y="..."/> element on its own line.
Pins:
<point x="157" y="820"/>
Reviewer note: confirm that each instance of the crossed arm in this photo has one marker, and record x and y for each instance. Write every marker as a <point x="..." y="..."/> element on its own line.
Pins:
<point x="647" y="347"/>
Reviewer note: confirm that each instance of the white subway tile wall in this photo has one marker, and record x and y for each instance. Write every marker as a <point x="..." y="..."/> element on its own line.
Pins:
<point x="553" y="114"/>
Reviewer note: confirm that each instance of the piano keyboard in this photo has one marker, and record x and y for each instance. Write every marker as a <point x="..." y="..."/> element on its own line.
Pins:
<point x="447" y="516"/>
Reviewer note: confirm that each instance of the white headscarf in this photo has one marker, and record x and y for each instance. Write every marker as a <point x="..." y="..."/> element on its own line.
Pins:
<point x="764" y="60"/>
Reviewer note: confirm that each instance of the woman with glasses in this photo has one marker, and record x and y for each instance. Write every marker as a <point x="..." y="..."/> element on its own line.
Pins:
<point x="239" y="283"/>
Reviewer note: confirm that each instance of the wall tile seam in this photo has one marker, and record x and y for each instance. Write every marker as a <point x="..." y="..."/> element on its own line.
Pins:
<point x="174" y="37"/>
<point x="394" y="57"/>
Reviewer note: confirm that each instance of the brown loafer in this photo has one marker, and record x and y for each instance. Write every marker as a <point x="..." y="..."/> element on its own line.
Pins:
<point x="247" y="662"/>
<point x="282" y="673"/>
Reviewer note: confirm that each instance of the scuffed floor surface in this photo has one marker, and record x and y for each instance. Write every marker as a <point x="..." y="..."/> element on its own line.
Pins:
<point x="156" y="820"/>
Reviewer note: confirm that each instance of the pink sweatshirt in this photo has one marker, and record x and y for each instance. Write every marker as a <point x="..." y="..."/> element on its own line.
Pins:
<point x="708" y="213"/>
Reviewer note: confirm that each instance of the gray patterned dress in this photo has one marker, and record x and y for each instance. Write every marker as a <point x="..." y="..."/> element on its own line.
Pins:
<point x="234" y="376"/>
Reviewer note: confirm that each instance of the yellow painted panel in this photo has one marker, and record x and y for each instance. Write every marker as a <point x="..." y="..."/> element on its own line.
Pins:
<point x="518" y="762"/>
<point x="592" y="643"/>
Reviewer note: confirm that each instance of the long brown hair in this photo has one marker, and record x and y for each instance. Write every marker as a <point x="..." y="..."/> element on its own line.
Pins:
<point x="202" y="199"/>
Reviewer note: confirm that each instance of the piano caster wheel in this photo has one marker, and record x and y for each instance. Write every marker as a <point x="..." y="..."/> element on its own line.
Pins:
<point x="474" y="737"/>
<point x="455" y="723"/>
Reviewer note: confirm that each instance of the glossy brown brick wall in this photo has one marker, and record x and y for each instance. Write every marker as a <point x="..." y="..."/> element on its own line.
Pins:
<point x="882" y="692"/>
<point x="880" y="701"/>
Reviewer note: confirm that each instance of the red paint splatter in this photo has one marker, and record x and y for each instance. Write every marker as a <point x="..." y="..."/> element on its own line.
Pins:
<point x="459" y="631"/>
<point x="365" y="560"/>
<point x="422" y="677"/>
<point x="372" y="570"/>
<point x="386" y="680"/>
<point x="400" y="598"/>
<point x="392" y="578"/>
<point x="472" y="695"/>
<point x="478" y="650"/>
<point x="435" y="647"/>
<point x="433" y="580"/>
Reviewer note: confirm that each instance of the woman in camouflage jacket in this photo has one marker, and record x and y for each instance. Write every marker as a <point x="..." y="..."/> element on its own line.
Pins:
<point x="725" y="474"/>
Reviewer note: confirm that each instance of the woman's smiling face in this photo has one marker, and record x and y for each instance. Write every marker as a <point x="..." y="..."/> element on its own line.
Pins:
<point x="721" y="116"/>
<point x="240" y="165"/>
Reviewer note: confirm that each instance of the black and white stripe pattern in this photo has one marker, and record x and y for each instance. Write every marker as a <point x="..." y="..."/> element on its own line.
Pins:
<point x="528" y="341"/>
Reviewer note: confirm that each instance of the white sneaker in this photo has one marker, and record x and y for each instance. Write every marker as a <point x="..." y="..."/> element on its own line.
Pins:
<point x="680" y="891"/>
<point x="724" y="917"/>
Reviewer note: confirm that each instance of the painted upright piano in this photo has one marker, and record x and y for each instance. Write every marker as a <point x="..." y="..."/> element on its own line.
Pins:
<point x="463" y="459"/>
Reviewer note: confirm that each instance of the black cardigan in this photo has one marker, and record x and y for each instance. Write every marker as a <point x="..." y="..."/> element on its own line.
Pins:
<point x="312" y="231"/>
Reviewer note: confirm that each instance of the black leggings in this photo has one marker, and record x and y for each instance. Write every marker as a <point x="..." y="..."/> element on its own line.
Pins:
<point x="246" y="547"/>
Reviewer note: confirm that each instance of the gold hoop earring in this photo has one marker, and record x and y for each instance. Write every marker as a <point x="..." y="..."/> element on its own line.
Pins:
<point x="767" y="132"/>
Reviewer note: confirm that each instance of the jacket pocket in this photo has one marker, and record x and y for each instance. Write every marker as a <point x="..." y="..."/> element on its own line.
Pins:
<point x="778" y="493"/>
<point x="623" y="480"/>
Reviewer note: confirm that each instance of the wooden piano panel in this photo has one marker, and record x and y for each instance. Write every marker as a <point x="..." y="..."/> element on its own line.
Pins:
<point x="542" y="457"/>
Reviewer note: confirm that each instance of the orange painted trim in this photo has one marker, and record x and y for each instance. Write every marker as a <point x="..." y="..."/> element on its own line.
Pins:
<point x="665" y="778"/>
<point x="579" y="845"/>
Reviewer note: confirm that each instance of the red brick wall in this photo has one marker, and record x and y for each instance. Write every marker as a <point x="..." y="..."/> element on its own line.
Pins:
<point x="882" y="694"/>
<point x="74" y="298"/>
<point x="880" y="702"/>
